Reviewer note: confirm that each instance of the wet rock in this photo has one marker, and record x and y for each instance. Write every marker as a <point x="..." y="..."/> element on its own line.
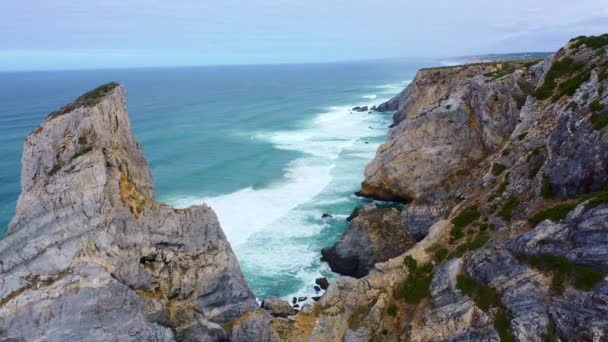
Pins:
<point x="326" y="216"/>
<point x="301" y="299"/>
<point x="322" y="282"/>
<point x="317" y="288"/>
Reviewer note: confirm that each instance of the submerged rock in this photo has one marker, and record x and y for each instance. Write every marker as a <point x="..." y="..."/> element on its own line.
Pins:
<point x="89" y="247"/>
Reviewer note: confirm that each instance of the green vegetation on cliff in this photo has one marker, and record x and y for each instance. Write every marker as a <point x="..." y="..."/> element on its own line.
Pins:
<point x="488" y="300"/>
<point x="416" y="286"/>
<point x="88" y="99"/>
<point x="564" y="272"/>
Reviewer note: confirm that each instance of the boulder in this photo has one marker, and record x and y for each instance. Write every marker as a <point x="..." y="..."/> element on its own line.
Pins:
<point x="322" y="282"/>
<point x="278" y="307"/>
<point x="375" y="235"/>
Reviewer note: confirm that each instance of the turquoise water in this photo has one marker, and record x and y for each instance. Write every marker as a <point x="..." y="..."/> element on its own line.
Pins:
<point x="270" y="148"/>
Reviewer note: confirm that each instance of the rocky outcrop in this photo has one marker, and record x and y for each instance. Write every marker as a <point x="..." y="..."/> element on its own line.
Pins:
<point x="505" y="171"/>
<point x="503" y="166"/>
<point x="448" y="120"/>
<point x="278" y="307"/>
<point x="374" y="236"/>
<point x="91" y="256"/>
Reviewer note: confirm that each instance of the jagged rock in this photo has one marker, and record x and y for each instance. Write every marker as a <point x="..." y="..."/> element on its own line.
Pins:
<point x="375" y="235"/>
<point x="441" y="107"/>
<point x="278" y="307"/>
<point x="325" y="216"/>
<point x="322" y="282"/>
<point x="418" y="218"/>
<point x="452" y="315"/>
<point x="582" y="238"/>
<point x="317" y="288"/>
<point x="93" y="255"/>
<point x="360" y="109"/>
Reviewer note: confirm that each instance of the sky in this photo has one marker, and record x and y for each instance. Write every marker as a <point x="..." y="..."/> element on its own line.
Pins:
<point x="77" y="34"/>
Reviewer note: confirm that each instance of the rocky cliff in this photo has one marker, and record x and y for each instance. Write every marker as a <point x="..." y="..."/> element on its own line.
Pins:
<point x="504" y="171"/>
<point x="91" y="256"/>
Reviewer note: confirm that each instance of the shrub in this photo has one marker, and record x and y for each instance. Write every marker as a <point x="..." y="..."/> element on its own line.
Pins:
<point x="440" y="255"/>
<point x="595" y="105"/>
<point x="522" y="136"/>
<point x="487" y="299"/>
<point x="416" y="285"/>
<point x="599" y="121"/>
<point x="506" y="212"/>
<point x="503" y="327"/>
<point x="480" y="241"/>
<point x="597" y="198"/>
<point x="498" y="168"/>
<point x="466" y="217"/>
<point x="89" y="99"/>
<point x="392" y="310"/>
<point x="570" y="86"/>
<point x="559" y="68"/>
<point x="564" y="271"/>
<point x="592" y="42"/>
<point x="503" y="186"/>
<point x="506" y="152"/>
<point x="554" y="214"/>
<point x="546" y="191"/>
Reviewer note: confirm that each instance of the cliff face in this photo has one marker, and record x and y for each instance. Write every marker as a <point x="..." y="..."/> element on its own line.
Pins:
<point x="506" y="171"/>
<point x="448" y="119"/>
<point x="91" y="256"/>
<point x="504" y="168"/>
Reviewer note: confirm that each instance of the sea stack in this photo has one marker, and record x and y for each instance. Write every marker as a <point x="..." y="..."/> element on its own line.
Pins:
<point x="90" y="255"/>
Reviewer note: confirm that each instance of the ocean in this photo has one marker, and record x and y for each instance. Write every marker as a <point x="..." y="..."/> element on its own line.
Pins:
<point x="270" y="148"/>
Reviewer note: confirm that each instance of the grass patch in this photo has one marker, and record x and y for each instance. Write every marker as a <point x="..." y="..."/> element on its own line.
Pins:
<point x="597" y="198"/>
<point x="559" y="69"/>
<point x="564" y="272"/>
<point x="466" y="217"/>
<point x="599" y="121"/>
<point x="592" y="42"/>
<point x="506" y="212"/>
<point x="595" y="105"/>
<point x="554" y="214"/>
<point x="392" y="310"/>
<point x="88" y="99"/>
<point x="56" y="167"/>
<point x="440" y="255"/>
<point x="416" y="286"/>
<point x="488" y="300"/>
<point x="545" y="190"/>
<point x="522" y="136"/>
<point x="498" y="168"/>
<point x="502" y="187"/>
<point x="506" y="152"/>
<point x="480" y="241"/>
<point x="570" y="86"/>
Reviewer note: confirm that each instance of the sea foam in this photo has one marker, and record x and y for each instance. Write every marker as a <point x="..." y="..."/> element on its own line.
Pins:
<point x="271" y="228"/>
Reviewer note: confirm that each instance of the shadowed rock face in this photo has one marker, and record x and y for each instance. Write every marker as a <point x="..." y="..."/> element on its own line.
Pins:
<point x="374" y="236"/>
<point x="90" y="254"/>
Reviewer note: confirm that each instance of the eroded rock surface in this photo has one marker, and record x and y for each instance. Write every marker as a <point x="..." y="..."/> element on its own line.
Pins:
<point x="91" y="256"/>
<point x="374" y="236"/>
